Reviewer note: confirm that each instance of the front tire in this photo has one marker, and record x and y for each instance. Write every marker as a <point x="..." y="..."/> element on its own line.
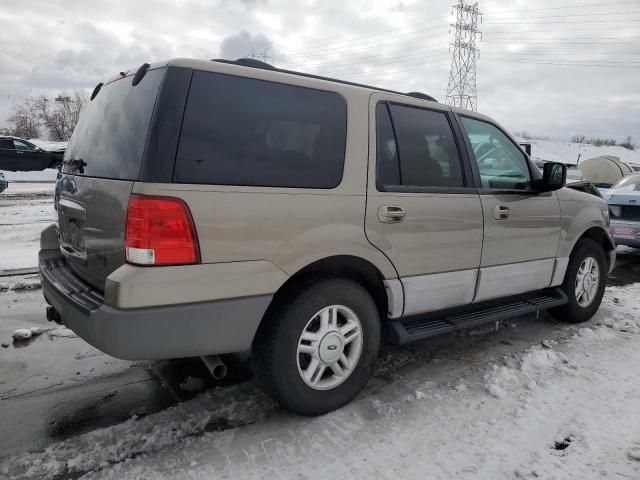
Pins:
<point x="316" y="348"/>
<point x="584" y="283"/>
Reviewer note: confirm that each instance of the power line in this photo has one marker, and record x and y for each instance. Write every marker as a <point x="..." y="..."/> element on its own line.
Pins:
<point x="564" y="64"/>
<point x="385" y="59"/>
<point x="512" y="42"/>
<point x="563" y="21"/>
<point x="608" y="4"/>
<point x="410" y="42"/>
<point x="573" y="15"/>
<point x="383" y="33"/>
<point x="520" y="31"/>
<point x="370" y="44"/>
<point x="488" y="52"/>
<point x="515" y="40"/>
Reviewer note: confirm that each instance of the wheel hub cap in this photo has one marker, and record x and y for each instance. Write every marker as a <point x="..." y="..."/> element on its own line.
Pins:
<point x="587" y="281"/>
<point x="329" y="347"/>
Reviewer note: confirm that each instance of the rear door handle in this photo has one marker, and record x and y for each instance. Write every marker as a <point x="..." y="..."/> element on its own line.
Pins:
<point x="500" y="212"/>
<point x="391" y="214"/>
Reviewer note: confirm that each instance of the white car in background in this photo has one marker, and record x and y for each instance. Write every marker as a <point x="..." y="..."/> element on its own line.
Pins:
<point x="624" y="208"/>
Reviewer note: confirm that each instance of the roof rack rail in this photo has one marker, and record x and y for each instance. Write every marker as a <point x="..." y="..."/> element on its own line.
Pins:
<point x="247" y="62"/>
<point x="253" y="63"/>
<point x="421" y="95"/>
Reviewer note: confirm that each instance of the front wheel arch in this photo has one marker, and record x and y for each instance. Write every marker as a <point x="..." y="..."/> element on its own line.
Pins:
<point x="599" y="235"/>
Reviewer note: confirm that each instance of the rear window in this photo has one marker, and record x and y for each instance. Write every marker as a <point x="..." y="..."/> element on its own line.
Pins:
<point x="112" y="131"/>
<point x="241" y="131"/>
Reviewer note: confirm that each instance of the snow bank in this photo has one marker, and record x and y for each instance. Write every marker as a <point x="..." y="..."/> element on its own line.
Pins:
<point x="49" y="144"/>
<point x="46" y="175"/>
<point x="567" y="152"/>
<point x="100" y="448"/>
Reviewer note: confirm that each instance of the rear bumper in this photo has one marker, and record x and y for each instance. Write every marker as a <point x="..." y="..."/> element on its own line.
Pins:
<point x="176" y="331"/>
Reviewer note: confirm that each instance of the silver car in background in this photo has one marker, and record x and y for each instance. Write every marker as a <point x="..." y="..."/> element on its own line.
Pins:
<point x="3" y="183"/>
<point x="624" y="207"/>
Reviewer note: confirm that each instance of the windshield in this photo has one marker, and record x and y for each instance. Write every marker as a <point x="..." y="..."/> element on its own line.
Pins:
<point x="110" y="138"/>
<point x="629" y="183"/>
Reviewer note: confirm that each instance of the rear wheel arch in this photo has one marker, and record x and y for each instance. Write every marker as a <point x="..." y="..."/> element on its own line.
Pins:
<point x="344" y="266"/>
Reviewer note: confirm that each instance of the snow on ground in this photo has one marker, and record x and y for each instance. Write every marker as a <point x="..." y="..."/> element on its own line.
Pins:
<point x="25" y="210"/>
<point x="46" y="175"/>
<point x="567" y="152"/>
<point x="564" y="408"/>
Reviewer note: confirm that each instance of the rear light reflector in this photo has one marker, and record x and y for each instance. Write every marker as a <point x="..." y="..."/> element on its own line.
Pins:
<point x="160" y="231"/>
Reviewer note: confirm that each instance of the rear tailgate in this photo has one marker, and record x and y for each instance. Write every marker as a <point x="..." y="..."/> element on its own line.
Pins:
<point x="91" y="224"/>
<point x="101" y="164"/>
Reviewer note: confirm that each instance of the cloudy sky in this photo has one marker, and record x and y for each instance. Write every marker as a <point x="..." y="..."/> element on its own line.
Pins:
<point x="548" y="67"/>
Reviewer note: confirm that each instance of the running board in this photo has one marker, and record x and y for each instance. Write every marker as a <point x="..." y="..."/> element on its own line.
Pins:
<point x="409" y="330"/>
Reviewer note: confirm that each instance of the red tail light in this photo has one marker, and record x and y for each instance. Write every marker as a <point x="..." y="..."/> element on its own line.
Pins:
<point x="160" y="231"/>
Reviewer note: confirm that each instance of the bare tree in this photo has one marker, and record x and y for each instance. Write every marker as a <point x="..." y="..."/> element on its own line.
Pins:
<point x="58" y="115"/>
<point x="24" y="121"/>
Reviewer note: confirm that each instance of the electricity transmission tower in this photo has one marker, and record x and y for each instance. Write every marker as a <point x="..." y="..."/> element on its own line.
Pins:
<point x="263" y="56"/>
<point x="461" y="90"/>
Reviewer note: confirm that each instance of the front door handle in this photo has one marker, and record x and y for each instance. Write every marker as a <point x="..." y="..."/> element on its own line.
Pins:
<point x="500" y="212"/>
<point x="391" y="214"/>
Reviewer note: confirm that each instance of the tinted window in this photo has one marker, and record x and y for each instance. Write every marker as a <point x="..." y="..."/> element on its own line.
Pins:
<point x="6" y="144"/>
<point x="22" y="145"/>
<point x="501" y="163"/>
<point x="112" y="131"/>
<point x="240" y="131"/>
<point x="428" y="156"/>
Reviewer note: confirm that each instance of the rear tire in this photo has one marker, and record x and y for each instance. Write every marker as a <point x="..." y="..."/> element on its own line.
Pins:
<point x="316" y="348"/>
<point x="584" y="283"/>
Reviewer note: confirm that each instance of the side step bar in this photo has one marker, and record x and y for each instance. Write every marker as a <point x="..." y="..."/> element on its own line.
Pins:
<point x="409" y="330"/>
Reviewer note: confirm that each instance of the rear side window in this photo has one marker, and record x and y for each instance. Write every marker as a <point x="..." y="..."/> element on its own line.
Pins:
<point x="241" y="131"/>
<point x="6" y="144"/>
<point x="112" y="132"/>
<point x="387" y="151"/>
<point x="427" y="154"/>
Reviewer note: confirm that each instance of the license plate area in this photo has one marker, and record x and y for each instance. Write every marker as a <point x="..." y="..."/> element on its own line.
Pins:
<point x="625" y="232"/>
<point x="71" y="233"/>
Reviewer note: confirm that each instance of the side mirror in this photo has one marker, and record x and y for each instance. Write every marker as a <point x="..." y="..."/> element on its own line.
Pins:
<point x="554" y="176"/>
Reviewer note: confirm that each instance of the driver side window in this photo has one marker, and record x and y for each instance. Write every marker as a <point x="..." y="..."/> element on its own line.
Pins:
<point x="501" y="163"/>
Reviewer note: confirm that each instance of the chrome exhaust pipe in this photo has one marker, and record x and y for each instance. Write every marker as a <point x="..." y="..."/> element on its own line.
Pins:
<point x="215" y="365"/>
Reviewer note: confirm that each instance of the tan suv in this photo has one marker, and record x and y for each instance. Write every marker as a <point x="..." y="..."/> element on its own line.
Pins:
<point x="211" y="207"/>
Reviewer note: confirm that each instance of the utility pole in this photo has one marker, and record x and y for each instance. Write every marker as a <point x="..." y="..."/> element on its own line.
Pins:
<point x="461" y="90"/>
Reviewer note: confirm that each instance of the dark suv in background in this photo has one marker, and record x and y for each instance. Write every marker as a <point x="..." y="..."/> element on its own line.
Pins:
<point x="17" y="154"/>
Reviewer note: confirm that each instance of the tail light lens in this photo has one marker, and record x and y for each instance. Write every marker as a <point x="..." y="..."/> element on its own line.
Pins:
<point x="160" y="231"/>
